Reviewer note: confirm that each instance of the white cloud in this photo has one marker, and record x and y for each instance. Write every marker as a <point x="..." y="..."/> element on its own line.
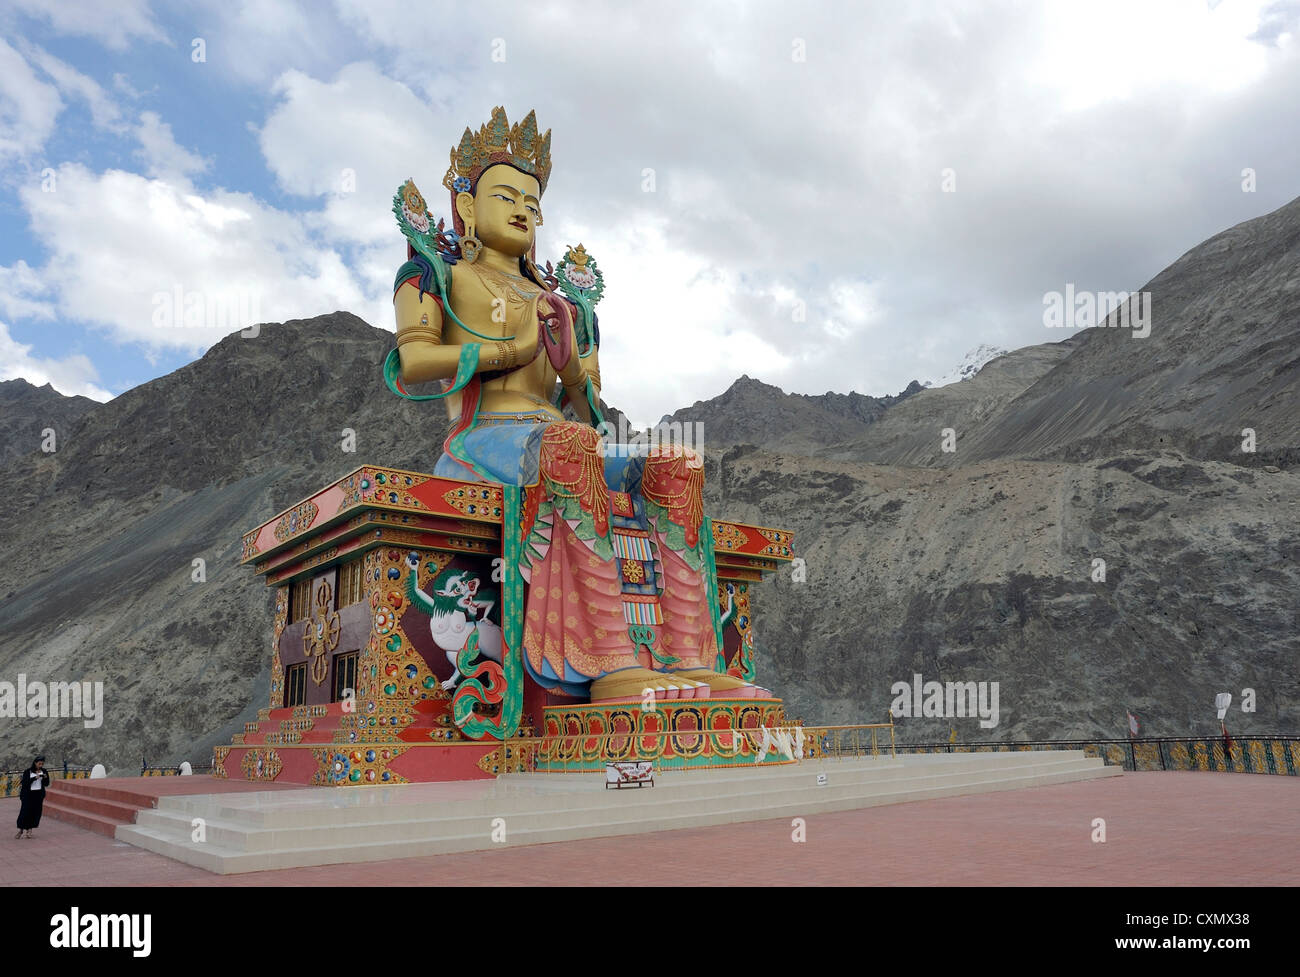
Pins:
<point x="853" y="305"/>
<point x="70" y="376"/>
<point x="23" y="294"/>
<point x="1114" y="49"/>
<point x="28" y="105"/>
<point x="104" y="112"/>
<point x="254" y="41"/>
<point x="123" y="84"/>
<point x="163" y="157"/>
<point x="161" y="265"/>
<point x="112" y="24"/>
<point x="671" y="329"/>
<point x="377" y="136"/>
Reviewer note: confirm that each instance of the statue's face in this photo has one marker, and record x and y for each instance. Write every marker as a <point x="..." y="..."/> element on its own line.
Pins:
<point x="505" y="209"/>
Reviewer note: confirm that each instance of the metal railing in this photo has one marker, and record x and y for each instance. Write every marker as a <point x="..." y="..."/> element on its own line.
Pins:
<point x="11" y="780"/>
<point x="842" y="741"/>
<point x="1271" y="754"/>
<point x="704" y="749"/>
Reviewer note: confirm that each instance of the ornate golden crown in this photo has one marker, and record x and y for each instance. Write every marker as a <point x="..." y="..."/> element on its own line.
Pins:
<point x="500" y="142"/>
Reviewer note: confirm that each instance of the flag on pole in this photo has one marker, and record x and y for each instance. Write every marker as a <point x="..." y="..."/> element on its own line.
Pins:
<point x="1132" y="724"/>
<point x="1221" y="702"/>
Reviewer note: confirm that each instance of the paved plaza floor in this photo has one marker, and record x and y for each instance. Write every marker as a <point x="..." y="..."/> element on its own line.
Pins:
<point x="1161" y="829"/>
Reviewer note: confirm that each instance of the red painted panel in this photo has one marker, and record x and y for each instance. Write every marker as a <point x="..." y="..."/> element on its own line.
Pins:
<point x="431" y="764"/>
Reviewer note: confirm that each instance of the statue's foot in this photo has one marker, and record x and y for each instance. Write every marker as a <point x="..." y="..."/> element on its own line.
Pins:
<point x="724" y="686"/>
<point x="636" y="684"/>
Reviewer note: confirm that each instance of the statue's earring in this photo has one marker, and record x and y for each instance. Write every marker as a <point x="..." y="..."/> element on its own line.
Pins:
<point x="470" y="245"/>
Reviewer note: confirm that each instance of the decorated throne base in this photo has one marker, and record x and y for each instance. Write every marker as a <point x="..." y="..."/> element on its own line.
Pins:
<point x="364" y="688"/>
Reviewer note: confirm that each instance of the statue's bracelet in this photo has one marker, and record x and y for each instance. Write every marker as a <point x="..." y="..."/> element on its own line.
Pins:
<point x="506" y="355"/>
<point x="419" y="334"/>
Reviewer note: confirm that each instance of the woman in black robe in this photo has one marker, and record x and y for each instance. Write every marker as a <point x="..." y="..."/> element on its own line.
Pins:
<point x="32" y="794"/>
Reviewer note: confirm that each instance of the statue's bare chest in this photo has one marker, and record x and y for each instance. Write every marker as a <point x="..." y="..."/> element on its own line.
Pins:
<point x="494" y="305"/>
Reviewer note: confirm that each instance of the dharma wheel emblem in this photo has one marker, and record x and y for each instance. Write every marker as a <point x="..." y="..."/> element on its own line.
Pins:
<point x="321" y="636"/>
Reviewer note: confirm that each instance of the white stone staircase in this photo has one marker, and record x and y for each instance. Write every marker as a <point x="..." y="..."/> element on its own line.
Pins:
<point x="250" y="832"/>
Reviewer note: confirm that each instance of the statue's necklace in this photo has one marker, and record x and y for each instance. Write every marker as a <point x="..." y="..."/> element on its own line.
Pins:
<point x="527" y="295"/>
<point x="493" y="292"/>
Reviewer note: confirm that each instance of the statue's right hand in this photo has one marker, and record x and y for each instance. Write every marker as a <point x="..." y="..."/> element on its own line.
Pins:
<point x="528" y="343"/>
<point x="508" y="354"/>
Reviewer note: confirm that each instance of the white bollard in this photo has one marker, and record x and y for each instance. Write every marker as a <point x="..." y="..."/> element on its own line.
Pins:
<point x="186" y="769"/>
<point x="98" y="771"/>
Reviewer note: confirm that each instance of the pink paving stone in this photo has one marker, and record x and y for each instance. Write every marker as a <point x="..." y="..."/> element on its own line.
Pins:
<point x="1163" y="829"/>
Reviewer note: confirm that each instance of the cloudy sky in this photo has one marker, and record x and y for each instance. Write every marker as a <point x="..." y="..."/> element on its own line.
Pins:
<point x="826" y="196"/>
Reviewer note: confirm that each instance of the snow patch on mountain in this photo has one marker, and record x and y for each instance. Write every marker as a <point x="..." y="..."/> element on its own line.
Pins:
<point x="970" y="365"/>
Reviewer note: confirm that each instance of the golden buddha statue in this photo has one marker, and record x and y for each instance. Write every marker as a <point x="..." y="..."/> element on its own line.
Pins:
<point x="621" y="600"/>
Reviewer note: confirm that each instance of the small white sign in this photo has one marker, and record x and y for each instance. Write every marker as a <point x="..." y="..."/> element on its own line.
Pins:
<point x="640" y="773"/>
<point x="821" y="780"/>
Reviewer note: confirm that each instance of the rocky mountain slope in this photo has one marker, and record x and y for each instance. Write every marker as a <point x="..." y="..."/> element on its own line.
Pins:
<point x="799" y="423"/>
<point x="914" y="432"/>
<point x="100" y="538"/>
<point x="972" y="565"/>
<point x="27" y="412"/>
<point x="1223" y="355"/>
<point x="986" y="573"/>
